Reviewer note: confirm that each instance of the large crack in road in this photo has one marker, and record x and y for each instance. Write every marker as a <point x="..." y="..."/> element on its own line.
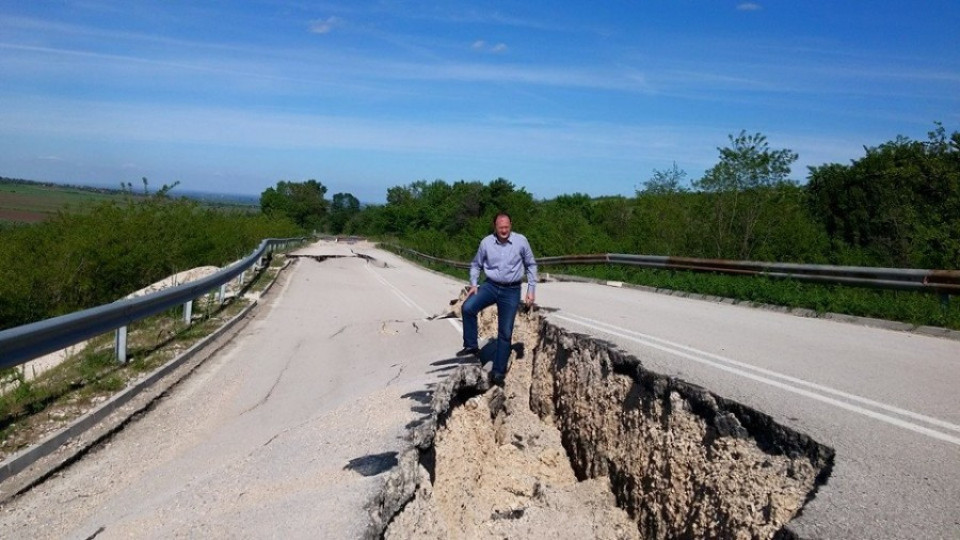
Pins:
<point x="582" y="442"/>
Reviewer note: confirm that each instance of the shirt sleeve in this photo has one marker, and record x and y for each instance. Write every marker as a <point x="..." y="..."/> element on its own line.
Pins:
<point x="530" y="263"/>
<point x="476" y="263"/>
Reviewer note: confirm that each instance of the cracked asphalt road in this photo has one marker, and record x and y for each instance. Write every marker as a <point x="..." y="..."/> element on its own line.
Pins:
<point x="285" y="433"/>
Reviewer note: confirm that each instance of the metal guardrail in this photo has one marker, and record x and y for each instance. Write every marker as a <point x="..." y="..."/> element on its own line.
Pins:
<point x="944" y="282"/>
<point x="24" y="343"/>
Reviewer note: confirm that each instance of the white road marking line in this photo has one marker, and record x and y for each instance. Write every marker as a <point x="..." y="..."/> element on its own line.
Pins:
<point x="698" y="356"/>
<point x="409" y="301"/>
<point x="794" y="380"/>
<point x="403" y="297"/>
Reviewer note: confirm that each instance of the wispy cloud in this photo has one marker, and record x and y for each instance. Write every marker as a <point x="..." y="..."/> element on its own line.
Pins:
<point x="291" y="72"/>
<point x="324" y="26"/>
<point x="749" y="6"/>
<point x="482" y="46"/>
<point x="191" y="125"/>
<point x="558" y="76"/>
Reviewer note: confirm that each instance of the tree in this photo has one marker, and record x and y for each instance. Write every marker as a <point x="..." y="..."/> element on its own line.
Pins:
<point x="302" y="202"/>
<point x="742" y="189"/>
<point x="343" y="207"/>
<point x="664" y="218"/>
<point x="166" y="189"/>
<point x="899" y="204"/>
<point x="666" y="181"/>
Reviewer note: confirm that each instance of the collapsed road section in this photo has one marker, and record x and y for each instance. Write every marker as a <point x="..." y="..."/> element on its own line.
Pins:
<point x="582" y="441"/>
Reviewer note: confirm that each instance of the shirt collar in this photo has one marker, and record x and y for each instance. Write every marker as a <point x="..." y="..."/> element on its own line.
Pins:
<point x="509" y="239"/>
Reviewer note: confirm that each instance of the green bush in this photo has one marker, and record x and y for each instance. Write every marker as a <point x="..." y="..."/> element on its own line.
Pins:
<point x="83" y="259"/>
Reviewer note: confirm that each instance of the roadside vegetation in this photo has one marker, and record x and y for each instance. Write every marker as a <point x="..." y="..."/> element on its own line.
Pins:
<point x="77" y="260"/>
<point x="897" y="206"/>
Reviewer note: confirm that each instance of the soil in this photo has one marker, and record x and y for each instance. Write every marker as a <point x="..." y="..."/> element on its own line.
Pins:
<point x="501" y="472"/>
<point x="584" y="442"/>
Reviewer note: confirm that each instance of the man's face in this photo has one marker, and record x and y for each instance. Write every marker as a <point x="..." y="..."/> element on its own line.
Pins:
<point x="502" y="227"/>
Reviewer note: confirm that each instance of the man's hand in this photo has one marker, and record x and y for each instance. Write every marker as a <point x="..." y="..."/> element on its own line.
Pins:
<point x="472" y="290"/>
<point x="531" y="298"/>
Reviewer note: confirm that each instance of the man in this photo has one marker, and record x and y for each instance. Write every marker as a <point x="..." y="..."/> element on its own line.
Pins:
<point x="503" y="256"/>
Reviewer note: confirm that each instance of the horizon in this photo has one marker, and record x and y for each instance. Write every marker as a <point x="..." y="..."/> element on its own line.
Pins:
<point x="556" y="98"/>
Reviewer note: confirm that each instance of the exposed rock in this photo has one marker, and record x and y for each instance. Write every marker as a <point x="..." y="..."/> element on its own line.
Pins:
<point x="584" y="442"/>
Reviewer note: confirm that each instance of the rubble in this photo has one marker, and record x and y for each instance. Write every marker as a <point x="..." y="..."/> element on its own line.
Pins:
<point x="583" y="442"/>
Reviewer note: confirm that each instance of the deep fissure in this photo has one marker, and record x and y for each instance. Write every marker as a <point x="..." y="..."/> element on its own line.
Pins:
<point x="650" y="456"/>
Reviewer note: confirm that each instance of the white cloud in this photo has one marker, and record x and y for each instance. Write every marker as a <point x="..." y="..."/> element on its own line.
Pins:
<point x="749" y="6"/>
<point x="482" y="46"/>
<point x="324" y="26"/>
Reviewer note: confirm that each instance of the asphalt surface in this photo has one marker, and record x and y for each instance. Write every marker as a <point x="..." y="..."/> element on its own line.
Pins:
<point x="887" y="401"/>
<point x="286" y="432"/>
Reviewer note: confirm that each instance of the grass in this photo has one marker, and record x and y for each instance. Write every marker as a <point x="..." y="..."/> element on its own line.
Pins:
<point x="922" y="309"/>
<point x="264" y="278"/>
<point x="904" y="306"/>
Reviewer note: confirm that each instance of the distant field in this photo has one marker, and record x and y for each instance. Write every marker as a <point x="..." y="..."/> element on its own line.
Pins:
<point x="30" y="203"/>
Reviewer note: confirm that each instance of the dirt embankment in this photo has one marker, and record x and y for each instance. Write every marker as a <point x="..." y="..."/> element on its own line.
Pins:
<point x="583" y="442"/>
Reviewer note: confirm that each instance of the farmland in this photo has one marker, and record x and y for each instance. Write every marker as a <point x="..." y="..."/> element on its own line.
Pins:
<point x="26" y="201"/>
<point x="33" y="202"/>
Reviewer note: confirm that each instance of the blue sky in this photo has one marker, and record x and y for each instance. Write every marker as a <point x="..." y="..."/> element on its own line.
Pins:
<point x="558" y="97"/>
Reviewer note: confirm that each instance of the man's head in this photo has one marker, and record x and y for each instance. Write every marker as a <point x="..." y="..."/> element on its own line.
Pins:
<point x="501" y="226"/>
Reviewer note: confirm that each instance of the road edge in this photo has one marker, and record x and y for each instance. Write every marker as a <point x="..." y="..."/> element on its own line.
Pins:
<point x="930" y="331"/>
<point x="33" y="465"/>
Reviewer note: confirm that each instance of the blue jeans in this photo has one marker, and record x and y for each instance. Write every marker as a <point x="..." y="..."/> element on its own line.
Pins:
<point x="507" y="300"/>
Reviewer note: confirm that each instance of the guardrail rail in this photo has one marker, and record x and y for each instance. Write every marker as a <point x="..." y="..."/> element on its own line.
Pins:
<point x="23" y="343"/>
<point x="943" y="282"/>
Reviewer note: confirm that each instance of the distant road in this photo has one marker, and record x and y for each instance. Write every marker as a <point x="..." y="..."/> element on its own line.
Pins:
<point x="285" y="432"/>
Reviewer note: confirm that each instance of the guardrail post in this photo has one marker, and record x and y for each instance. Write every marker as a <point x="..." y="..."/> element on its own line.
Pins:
<point x="223" y="293"/>
<point x="188" y="311"/>
<point x="945" y="302"/>
<point x="240" y="279"/>
<point x="120" y="344"/>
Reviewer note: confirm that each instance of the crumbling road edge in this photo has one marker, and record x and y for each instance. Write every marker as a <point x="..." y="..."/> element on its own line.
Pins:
<point x="35" y="464"/>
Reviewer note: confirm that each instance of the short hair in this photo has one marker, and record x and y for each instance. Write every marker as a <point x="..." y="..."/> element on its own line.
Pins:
<point x="500" y="215"/>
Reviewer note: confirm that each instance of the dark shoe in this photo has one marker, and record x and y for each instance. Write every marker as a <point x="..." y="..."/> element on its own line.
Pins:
<point x="469" y="351"/>
<point x="497" y="379"/>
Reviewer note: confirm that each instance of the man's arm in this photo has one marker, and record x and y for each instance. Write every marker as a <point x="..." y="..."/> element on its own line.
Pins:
<point x="530" y="264"/>
<point x="475" y="266"/>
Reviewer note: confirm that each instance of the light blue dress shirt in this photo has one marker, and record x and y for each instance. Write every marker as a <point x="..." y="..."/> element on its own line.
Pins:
<point x="505" y="262"/>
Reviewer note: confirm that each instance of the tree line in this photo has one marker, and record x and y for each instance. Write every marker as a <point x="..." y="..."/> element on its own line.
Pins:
<point x="898" y="205"/>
